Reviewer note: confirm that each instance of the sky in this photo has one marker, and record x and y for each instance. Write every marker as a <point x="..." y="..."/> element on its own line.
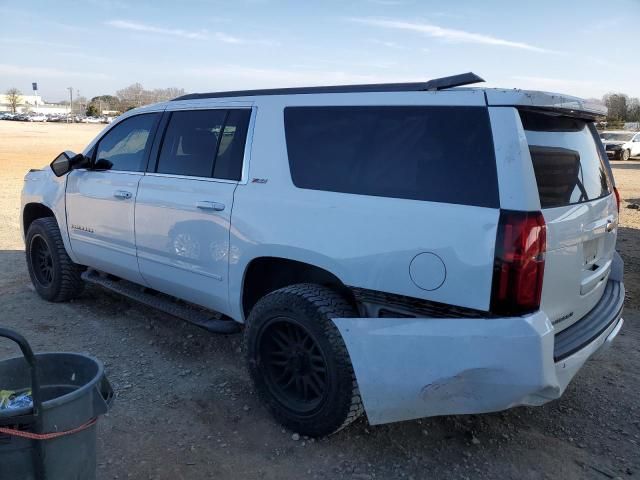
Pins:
<point x="585" y="48"/>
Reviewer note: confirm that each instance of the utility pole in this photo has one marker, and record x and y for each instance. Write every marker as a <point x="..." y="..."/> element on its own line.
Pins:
<point x="70" y="102"/>
<point x="34" y="85"/>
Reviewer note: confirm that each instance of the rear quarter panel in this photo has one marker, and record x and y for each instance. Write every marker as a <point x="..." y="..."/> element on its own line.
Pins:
<point x="366" y="241"/>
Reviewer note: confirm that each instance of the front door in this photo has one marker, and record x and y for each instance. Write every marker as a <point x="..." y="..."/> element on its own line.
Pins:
<point x="183" y="207"/>
<point x="100" y="201"/>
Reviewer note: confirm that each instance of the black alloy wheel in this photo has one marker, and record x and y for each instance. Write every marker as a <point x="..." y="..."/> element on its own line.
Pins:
<point x="295" y="367"/>
<point x="41" y="261"/>
<point x="298" y="359"/>
<point x="54" y="275"/>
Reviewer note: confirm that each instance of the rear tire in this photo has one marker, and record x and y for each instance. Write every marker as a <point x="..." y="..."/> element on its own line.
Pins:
<point x="55" y="277"/>
<point x="625" y="155"/>
<point x="299" y="362"/>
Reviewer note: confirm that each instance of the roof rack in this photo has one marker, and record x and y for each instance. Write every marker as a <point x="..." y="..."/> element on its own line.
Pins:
<point x="435" y="84"/>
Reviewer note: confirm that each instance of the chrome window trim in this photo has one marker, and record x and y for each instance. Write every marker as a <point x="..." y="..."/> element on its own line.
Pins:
<point x="246" y="159"/>
<point x="190" y="177"/>
<point x="128" y="172"/>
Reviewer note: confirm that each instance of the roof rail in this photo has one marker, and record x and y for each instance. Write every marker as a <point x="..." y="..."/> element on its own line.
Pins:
<point x="435" y="84"/>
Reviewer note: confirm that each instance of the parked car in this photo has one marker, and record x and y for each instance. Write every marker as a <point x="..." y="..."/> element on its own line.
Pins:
<point x="37" y="117"/>
<point x="405" y="250"/>
<point x="92" y="120"/>
<point x="621" y="144"/>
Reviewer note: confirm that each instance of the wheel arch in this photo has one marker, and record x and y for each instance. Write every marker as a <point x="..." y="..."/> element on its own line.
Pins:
<point x="33" y="211"/>
<point x="267" y="274"/>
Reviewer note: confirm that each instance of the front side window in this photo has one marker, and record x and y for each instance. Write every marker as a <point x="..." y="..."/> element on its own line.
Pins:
<point x="125" y="146"/>
<point x="204" y="143"/>
<point x="439" y="154"/>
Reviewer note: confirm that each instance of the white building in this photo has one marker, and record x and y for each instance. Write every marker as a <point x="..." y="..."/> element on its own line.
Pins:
<point x="32" y="103"/>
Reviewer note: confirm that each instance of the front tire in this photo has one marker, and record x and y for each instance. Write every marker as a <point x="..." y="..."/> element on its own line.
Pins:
<point x="625" y="155"/>
<point x="299" y="362"/>
<point x="55" y="277"/>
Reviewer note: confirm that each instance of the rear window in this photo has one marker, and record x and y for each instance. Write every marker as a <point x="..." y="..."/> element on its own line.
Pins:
<point x="568" y="162"/>
<point x="440" y="154"/>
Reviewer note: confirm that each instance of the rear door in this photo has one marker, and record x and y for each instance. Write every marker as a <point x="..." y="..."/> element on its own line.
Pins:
<point x="100" y="201"/>
<point x="577" y="201"/>
<point x="183" y="206"/>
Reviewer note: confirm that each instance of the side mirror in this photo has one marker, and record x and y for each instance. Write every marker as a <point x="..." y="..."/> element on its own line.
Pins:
<point x="67" y="161"/>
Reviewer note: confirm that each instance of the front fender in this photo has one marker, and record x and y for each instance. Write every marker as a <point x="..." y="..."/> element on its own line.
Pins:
<point x="44" y="188"/>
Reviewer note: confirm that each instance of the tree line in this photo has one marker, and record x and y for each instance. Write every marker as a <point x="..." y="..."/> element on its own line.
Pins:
<point x="133" y="96"/>
<point x="125" y="99"/>
<point x="621" y="107"/>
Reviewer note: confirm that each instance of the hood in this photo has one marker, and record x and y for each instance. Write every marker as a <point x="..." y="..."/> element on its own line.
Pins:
<point x="614" y="142"/>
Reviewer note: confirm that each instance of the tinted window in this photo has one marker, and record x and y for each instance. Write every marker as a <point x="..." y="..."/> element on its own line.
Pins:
<point x="442" y="154"/>
<point x="567" y="159"/>
<point x="204" y="143"/>
<point x="231" y="151"/>
<point x="126" y="145"/>
<point x="191" y="142"/>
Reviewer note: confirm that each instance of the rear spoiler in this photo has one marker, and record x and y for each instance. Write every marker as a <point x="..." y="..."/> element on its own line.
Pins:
<point x="561" y="104"/>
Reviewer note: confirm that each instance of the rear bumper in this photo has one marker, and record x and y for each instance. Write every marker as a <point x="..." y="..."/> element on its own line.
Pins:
<point x="413" y="368"/>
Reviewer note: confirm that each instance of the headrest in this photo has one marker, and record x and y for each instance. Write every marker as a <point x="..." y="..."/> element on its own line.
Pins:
<point x="199" y="142"/>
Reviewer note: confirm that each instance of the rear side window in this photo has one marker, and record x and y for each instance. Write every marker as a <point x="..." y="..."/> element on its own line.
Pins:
<point x="204" y="143"/>
<point x="231" y="149"/>
<point x="568" y="162"/>
<point x="440" y="154"/>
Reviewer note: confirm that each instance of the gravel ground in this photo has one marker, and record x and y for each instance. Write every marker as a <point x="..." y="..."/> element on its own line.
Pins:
<point x="185" y="408"/>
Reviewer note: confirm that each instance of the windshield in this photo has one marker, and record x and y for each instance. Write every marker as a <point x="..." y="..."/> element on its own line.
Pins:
<point x="618" y="137"/>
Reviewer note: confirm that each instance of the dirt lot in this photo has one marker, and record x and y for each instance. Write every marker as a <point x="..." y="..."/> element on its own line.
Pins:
<point x="185" y="407"/>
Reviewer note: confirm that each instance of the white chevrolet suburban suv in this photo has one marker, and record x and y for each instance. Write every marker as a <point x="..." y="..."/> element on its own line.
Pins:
<point x="406" y="250"/>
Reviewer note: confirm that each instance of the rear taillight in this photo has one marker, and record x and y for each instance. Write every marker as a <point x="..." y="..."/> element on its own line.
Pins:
<point x="519" y="263"/>
<point x="617" y="194"/>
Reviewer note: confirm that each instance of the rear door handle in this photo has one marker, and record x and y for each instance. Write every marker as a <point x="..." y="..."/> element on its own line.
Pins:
<point x="205" y="205"/>
<point x="122" y="194"/>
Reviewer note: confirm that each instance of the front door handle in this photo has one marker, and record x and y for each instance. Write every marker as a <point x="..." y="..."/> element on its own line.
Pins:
<point x="205" y="205"/>
<point x="122" y="194"/>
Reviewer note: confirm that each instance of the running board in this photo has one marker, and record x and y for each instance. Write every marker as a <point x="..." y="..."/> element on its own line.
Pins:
<point x="213" y="321"/>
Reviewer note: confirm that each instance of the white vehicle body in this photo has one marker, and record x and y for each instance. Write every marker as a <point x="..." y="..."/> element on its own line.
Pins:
<point x="617" y="142"/>
<point x="92" y="120"/>
<point x="38" y="117"/>
<point x="197" y="238"/>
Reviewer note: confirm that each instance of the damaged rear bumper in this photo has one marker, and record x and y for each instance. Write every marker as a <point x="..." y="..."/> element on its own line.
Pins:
<point x="413" y="368"/>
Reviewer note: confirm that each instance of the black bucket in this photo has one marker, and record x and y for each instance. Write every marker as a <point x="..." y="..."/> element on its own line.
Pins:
<point x="69" y="392"/>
